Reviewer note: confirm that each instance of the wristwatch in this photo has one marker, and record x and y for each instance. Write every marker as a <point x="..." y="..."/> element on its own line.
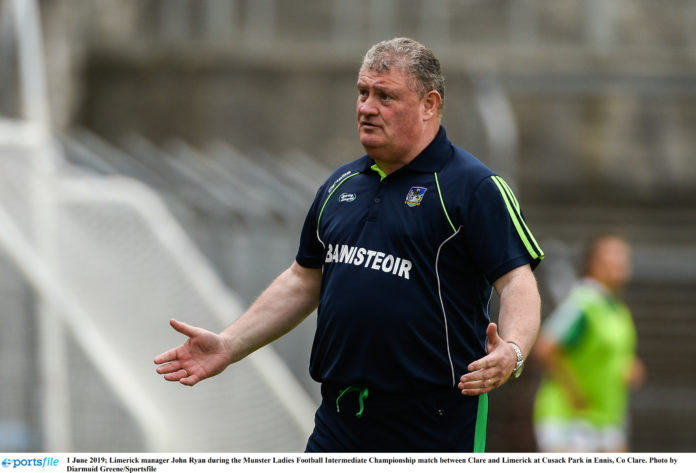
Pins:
<point x="520" y="362"/>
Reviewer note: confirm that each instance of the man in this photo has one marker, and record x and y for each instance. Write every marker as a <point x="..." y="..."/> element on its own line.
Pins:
<point x="587" y="347"/>
<point x="399" y="251"/>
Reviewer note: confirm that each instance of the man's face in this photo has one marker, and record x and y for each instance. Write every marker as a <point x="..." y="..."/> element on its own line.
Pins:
<point x="389" y="113"/>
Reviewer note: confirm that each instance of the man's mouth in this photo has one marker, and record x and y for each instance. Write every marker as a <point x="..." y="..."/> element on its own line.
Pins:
<point x="365" y="124"/>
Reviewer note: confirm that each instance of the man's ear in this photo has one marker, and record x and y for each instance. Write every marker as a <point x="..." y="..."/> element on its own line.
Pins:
<point x="431" y="105"/>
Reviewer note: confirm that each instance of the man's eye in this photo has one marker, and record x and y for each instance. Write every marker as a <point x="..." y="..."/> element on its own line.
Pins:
<point x="385" y="96"/>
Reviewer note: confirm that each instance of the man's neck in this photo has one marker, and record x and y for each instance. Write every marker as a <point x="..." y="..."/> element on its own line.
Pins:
<point x="389" y="164"/>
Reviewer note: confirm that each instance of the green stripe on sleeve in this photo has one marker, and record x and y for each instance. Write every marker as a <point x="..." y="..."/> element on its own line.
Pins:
<point x="519" y="212"/>
<point x="481" y="423"/>
<point x="517" y="220"/>
<point x="509" y="192"/>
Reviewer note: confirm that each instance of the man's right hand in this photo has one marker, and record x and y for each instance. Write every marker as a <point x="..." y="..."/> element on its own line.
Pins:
<point x="202" y="355"/>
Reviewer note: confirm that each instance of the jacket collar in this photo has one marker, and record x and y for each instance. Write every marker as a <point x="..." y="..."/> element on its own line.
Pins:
<point x="432" y="159"/>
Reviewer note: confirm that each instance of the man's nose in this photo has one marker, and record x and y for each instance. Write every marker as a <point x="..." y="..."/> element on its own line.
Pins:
<point x="367" y="106"/>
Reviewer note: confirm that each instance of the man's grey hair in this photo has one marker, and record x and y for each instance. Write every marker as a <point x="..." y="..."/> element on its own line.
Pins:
<point x="411" y="57"/>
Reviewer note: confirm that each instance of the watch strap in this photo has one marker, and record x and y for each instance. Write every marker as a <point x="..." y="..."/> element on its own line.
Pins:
<point x="517" y="371"/>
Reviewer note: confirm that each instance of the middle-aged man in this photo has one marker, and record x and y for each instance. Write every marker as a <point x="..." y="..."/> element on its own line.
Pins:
<point x="399" y="251"/>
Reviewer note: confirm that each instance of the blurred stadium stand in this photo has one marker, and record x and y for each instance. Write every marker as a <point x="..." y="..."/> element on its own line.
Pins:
<point x="234" y="110"/>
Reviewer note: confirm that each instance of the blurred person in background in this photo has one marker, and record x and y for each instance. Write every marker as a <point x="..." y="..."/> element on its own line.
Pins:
<point x="587" y="348"/>
<point x="400" y="252"/>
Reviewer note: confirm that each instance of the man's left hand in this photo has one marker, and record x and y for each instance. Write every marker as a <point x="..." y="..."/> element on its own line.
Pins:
<point x="491" y="371"/>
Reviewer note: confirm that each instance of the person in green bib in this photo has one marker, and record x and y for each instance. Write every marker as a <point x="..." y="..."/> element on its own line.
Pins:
<point x="587" y="348"/>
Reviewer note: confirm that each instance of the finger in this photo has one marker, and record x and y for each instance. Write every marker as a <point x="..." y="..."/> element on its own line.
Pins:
<point x="479" y="386"/>
<point x="176" y="375"/>
<point x="493" y="340"/>
<point x="493" y="372"/>
<point x="169" y="367"/>
<point x="478" y="382"/>
<point x="476" y="376"/>
<point x="492" y="334"/>
<point x="189" y="380"/>
<point x="175" y="372"/>
<point x="166" y="357"/>
<point x="493" y="360"/>
<point x="480" y="364"/>
<point x="476" y="391"/>
<point x="183" y="328"/>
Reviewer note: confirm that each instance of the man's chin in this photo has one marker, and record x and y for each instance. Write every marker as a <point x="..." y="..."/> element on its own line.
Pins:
<point x="370" y="141"/>
<point x="371" y="149"/>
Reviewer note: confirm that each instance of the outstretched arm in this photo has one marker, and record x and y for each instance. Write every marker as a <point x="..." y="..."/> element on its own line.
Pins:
<point x="289" y="299"/>
<point x="519" y="320"/>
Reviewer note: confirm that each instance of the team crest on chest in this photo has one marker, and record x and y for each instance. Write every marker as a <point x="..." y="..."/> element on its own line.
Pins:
<point x="415" y="195"/>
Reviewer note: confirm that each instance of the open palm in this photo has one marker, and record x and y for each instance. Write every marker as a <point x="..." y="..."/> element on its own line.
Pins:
<point x="202" y="355"/>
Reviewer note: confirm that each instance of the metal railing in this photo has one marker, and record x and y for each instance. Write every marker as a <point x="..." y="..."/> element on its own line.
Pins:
<point x="597" y="25"/>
